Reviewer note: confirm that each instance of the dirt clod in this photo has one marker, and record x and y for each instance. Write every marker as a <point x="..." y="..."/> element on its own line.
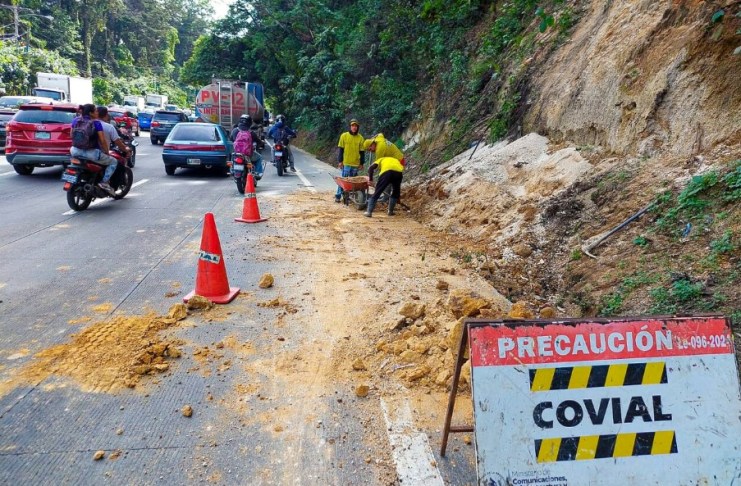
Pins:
<point x="412" y="310"/>
<point x="362" y="391"/>
<point x="98" y="455"/>
<point x="466" y="303"/>
<point x="358" y="365"/>
<point x="187" y="411"/>
<point x="266" y="281"/>
<point x="178" y="312"/>
<point x="199" y="302"/>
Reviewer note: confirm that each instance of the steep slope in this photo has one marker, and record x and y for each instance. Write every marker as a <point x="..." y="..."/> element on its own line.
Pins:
<point x="640" y="106"/>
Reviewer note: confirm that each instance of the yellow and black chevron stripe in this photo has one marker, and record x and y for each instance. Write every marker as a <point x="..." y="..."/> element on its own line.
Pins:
<point x="606" y="446"/>
<point x="575" y="377"/>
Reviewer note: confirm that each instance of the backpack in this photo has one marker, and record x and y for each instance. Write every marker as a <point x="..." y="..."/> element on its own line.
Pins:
<point x="84" y="134"/>
<point x="243" y="143"/>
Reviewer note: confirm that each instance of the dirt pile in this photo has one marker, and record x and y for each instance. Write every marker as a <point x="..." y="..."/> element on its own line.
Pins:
<point x="108" y="355"/>
<point x="422" y="352"/>
<point x="491" y="192"/>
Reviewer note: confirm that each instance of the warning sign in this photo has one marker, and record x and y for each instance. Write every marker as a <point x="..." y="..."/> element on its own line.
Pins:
<point x="615" y="403"/>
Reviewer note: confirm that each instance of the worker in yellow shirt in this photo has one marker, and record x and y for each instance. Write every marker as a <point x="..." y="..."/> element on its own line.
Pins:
<point x="350" y="155"/>
<point x="390" y="172"/>
<point x="383" y="148"/>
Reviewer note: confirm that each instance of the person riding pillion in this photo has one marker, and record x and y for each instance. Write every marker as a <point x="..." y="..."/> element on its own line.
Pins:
<point x="390" y="172"/>
<point x="89" y="142"/>
<point x="281" y="132"/>
<point x="242" y="136"/>
<point x="351" y="154"/>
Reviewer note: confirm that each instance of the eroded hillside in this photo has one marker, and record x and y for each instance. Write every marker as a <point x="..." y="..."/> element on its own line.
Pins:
<point x="639" y="107"/>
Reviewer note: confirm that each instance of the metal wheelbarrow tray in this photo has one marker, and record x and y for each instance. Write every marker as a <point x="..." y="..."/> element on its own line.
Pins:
<point x="354" y="189"/>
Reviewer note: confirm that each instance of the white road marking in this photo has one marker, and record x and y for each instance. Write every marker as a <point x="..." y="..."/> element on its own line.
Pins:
<point x="101" y="201"/>
<point x="410" y="449"/>
<point x="306" y="182"/>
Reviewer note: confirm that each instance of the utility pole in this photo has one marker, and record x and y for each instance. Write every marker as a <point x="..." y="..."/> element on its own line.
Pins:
<point x="16" y="21"/>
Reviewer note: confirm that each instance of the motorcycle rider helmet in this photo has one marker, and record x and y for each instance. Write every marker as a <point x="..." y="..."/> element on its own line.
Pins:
<point x="280" y="118"/>
<point x="245" y="119"/>
<point x="354" y="122"/>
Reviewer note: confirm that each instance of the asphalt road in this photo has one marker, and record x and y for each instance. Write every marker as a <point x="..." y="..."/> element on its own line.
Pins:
<point x="52" y="263"/>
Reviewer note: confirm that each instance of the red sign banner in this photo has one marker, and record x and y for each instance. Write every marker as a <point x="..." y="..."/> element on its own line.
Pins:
<point x="508" y="344"/>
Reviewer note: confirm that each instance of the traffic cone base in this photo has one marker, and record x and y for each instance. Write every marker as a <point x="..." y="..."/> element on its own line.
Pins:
<point x="216" y="299"/>
<point x="250" y="211"/>
<point x="211" y="280"/>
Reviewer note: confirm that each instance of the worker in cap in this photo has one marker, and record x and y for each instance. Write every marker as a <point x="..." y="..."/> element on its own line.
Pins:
<point x="350" y="155"/>
<point x="383" y="148"/>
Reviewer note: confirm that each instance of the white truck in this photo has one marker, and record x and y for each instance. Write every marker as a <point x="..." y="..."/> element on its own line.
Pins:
<point x="156" y="101"/>
<point x="134" y="101"/>
<point x="61" y="87"/>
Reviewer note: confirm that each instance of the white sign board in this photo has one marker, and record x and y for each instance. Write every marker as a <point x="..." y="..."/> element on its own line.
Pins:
<point x="644" y="402"/>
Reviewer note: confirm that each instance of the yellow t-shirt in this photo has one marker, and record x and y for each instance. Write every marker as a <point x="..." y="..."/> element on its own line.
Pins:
<point x="352" y="145"/>
<point x="388" y="149"/>
<point x="386" y="164"/>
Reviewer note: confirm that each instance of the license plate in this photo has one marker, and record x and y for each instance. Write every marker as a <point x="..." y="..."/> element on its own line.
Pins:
<point x="43" y="135"/>
<point x="69" y="177"/>
<point x="278" y="154"/>
<point x="238" y="168"/>
<point x="194" y="161"/>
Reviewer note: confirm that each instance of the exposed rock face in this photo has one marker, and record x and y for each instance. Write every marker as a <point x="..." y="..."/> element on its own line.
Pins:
<point x="664" y="87"/>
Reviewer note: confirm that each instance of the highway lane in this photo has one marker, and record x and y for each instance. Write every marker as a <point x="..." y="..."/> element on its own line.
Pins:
<point x="137" y="255"/>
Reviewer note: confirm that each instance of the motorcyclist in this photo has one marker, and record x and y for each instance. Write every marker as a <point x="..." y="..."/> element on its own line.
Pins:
<point x="281" y="132"/>
<point x="245" y="124"/>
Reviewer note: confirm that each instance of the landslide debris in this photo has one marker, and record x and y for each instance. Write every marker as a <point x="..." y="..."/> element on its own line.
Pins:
<point x="108" y="355"/>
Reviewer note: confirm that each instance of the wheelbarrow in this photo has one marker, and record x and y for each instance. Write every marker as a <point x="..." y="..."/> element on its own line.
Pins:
<point x="354" y="189"/>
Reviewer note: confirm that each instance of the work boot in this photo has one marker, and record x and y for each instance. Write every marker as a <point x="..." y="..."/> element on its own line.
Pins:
<point x="369" y="210"/>
<point x="392" y="204"/>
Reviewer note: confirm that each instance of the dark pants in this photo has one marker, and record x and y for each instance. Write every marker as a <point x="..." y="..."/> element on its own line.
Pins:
<point x="392" y="178"/>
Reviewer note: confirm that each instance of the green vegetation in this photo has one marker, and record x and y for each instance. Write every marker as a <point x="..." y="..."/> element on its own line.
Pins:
<point x="323" y="64"/>
<point x="612" y="303"/>
<point x="127" y="47"/>
<point x="682" y="295"/>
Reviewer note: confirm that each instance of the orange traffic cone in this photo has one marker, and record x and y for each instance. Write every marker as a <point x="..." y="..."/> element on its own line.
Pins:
<point x="211" y="280"/>
<point x="250" y="211"/>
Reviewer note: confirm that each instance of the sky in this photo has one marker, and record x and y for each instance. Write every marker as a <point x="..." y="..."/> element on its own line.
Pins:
<point x="220" y="7"/>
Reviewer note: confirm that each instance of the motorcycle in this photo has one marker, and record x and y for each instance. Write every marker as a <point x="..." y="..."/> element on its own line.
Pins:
<point x="128" y="139"/>
<point x="81" y="178"/>
<point x="241" y="167"/>
<point x="280" y="155"/>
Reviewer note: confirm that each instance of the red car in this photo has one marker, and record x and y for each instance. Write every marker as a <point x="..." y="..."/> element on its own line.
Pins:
<point x="119" y="115"/>
<point x="39" y="136"/>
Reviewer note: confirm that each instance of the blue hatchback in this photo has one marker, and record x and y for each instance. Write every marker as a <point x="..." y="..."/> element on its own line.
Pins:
<point x="197" y="145"/>
<point x="145" y="119"/>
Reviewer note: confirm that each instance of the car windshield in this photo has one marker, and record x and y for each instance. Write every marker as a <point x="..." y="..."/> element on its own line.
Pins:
<point x="146" y="116"/>
<point x="167" y="116"/>
<point x="11" y="101"/>
<point x="116" y="114"/>
<point x="44" y="116"/>
<point x="6" y="116"/>
<point x="195" y="133"/>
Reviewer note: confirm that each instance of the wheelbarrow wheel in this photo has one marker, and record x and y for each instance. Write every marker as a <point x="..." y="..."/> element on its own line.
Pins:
<point x="361" y="199"/>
